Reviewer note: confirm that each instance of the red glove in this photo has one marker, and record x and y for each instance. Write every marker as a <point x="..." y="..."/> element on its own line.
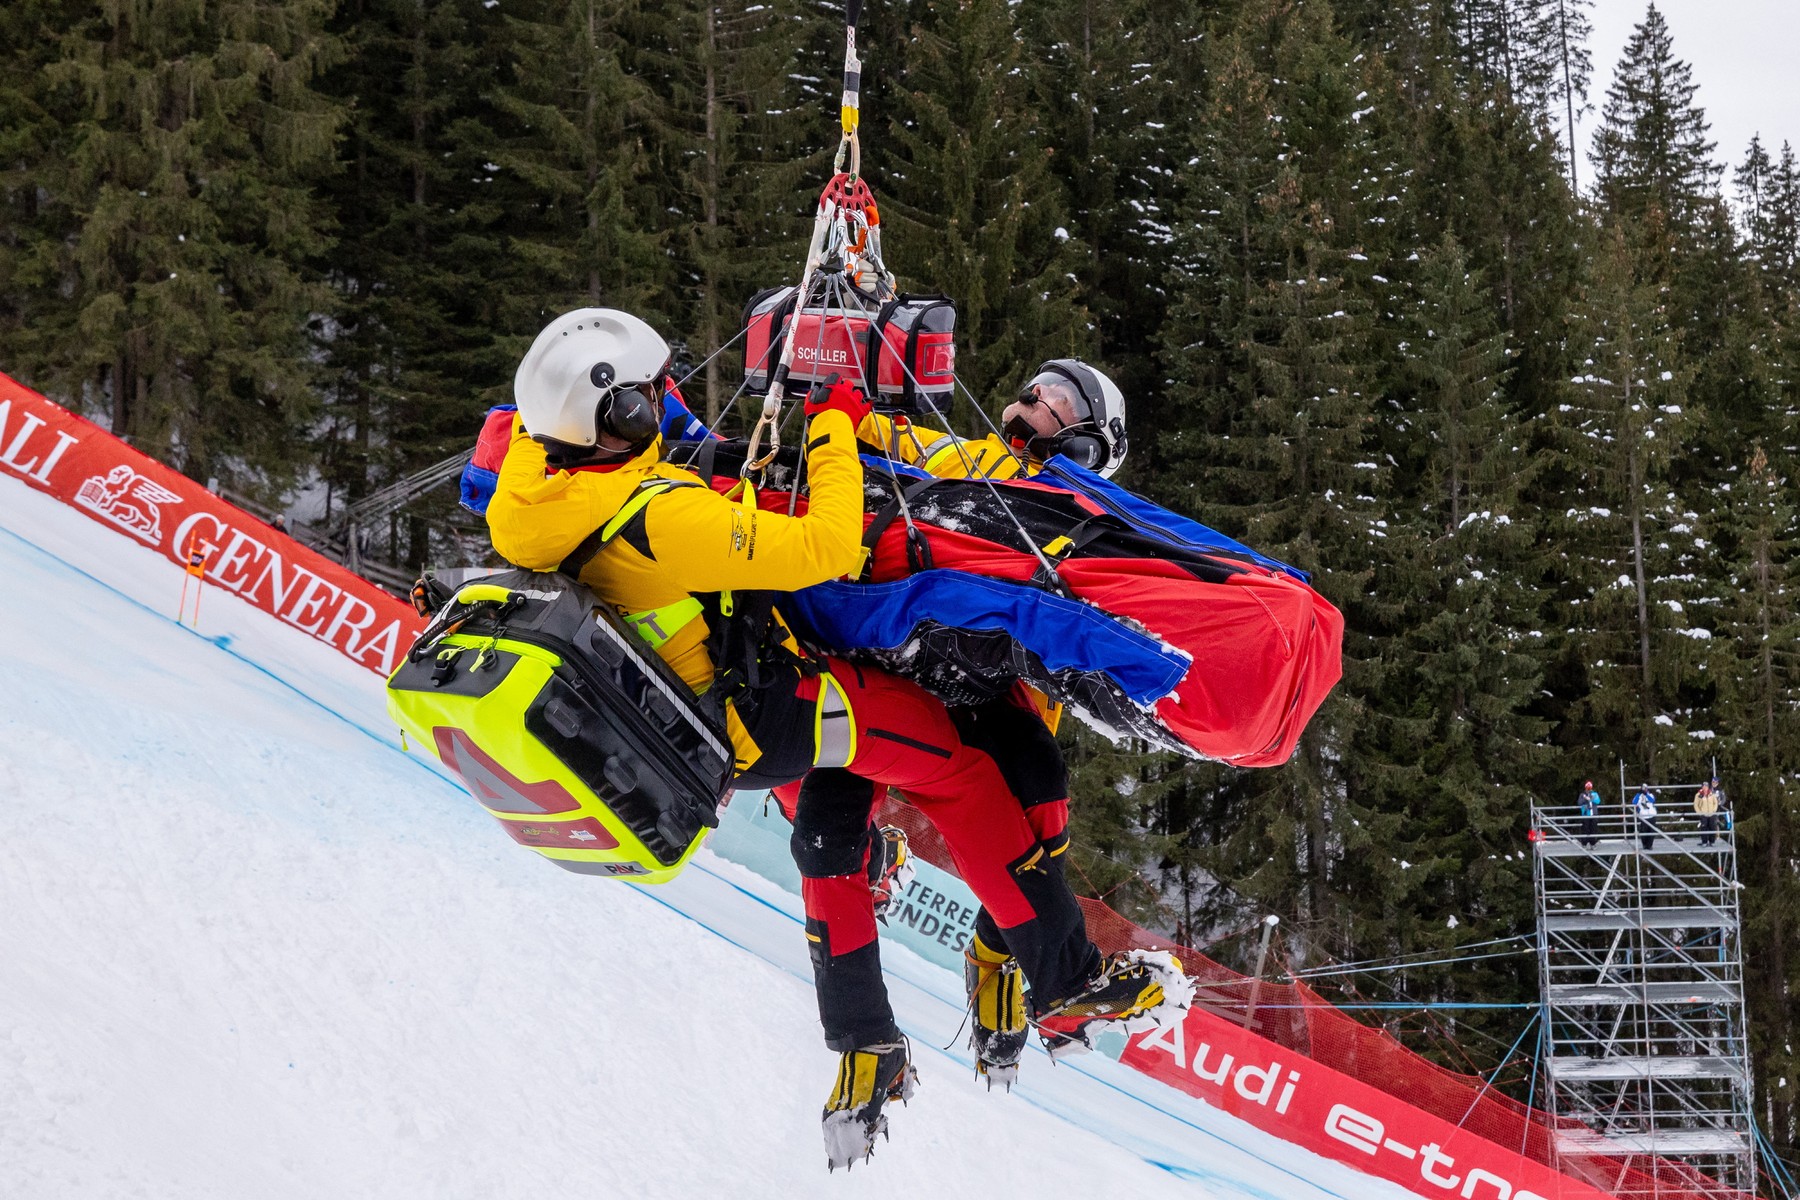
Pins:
<point x="840" y="394"/>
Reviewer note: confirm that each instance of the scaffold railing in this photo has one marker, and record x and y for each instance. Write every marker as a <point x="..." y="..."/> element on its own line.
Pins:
<point x="1641" y="982"/>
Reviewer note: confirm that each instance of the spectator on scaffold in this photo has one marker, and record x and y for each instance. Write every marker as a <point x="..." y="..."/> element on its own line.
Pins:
<point x="1644" y="806"/>
<point x="1724" y="799"/>
<point x="1706" y="807"/>
<point x="1589" y="800"/>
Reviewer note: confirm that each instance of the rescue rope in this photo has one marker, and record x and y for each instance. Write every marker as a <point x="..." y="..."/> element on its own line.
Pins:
<point x="738" y="337"/>
<point x="844" y="249"/>
<point x="846" y="227"/>
<point x="971" y="468"/>
<point x="731" y="404"/>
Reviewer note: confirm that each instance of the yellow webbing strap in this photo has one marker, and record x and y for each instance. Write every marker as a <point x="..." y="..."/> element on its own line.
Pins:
<point x="646" y="492"/>
<point x="657" y="625"/>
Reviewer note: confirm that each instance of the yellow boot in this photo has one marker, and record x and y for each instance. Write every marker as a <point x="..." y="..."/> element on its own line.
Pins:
<point x="867" y="1079"/>
<point x="997" y="1012"/>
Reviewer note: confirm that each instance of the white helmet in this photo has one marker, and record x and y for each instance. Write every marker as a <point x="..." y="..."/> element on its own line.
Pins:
<point x="1096" y="438"/>
<point x="590" y="372"/>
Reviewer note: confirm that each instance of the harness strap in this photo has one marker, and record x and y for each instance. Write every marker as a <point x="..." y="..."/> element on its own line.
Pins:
<point x="633" y="508"/>
<point x="897" y="507"/>
<point x="697" y="456"/>
<point x="1079" y="538"/>
<point x="658" y="625"/>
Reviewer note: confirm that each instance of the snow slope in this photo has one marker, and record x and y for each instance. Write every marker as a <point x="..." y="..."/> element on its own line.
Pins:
<point x="250" y="949"/>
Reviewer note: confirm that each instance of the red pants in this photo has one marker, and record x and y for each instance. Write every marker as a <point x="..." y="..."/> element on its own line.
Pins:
<point x="907" y="739"/>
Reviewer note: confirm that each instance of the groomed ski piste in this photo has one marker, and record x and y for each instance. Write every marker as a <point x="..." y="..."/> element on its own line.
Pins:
<point x="251" y="948"/>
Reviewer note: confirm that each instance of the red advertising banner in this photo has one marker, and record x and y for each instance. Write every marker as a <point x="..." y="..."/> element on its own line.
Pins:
<point x="1341" y="1118"/>
<point x="57" y="452"/>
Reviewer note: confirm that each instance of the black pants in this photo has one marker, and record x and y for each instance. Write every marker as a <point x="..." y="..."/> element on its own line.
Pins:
<point x="1647" y="828"/>
<point x="1588" y="825"/>
<point x="1709" y="825"/>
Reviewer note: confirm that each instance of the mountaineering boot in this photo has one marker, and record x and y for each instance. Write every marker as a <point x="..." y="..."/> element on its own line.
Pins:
<point x="997" y="1012"/>
<point x="867" y="1079"/>
<point x="890" y="869"/>
<point x="1133" y="991"/>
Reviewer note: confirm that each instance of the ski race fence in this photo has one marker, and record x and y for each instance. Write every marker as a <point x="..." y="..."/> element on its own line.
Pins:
<point x="1380" y="1106"/>
<point x="1277" y="1055"/>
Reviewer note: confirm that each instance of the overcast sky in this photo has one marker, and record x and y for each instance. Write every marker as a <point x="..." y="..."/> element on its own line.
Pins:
<point x="1744" y="54"/>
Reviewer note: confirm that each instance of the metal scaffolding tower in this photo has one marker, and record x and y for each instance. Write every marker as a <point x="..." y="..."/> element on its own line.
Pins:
<point x="1641" y="976"/>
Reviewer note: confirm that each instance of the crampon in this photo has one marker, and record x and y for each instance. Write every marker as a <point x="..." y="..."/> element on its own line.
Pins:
<point x="868" y="1078"/>
<point x="1134" y="991"/>
<point x="998" y="1031"/>
<point x="890" y="869"/>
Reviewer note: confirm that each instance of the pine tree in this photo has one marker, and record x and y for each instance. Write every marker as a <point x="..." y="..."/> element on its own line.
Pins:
<point x="193" y="164"/>
<point x="1485" y="174"/>
<point x="1115" y="853"/>
<point x="1754" y="181"/>
<point x="740" y="150"/>
<point x="579" y="143"/>
<point x="1651" y="152"/>
<point x="1768" y="193"/>
<point x="427" y="288"/>
<point x="972" y="208"/>
<point x="1227" y="249"/>
<point x="1496" y="37"/>
<point x="35" y="117"/>
<point x="1759" y="682"/>
<point x="1561" y="37"/>
<point x="1453" y="727"/>
<point x="1628" y="544"/>
<point x="1268" y="348"/>
<point x="1721" y="303"/>
<point x="1533" y="54"/>
<point x="1111" y="86"/>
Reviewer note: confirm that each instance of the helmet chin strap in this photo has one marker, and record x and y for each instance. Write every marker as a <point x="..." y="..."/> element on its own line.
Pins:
<point x="1075" y="441"/>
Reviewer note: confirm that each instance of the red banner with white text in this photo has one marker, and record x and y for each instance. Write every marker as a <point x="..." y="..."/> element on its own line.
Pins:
<point x="1331" y="1114"/>
<point x="57" y="452"/>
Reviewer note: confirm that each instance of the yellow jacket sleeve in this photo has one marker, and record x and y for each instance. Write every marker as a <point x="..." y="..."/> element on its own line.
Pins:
<point x="708" y="543"/>
<point x="942" y="454"/>
<point x="534" y="520"/>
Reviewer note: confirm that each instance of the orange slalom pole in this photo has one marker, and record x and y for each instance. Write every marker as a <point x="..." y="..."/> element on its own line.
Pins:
<point x="188" y="571"/>
<point x="196" y="567"/>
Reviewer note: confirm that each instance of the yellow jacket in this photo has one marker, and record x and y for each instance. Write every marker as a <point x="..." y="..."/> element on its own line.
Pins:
<point x="944" y="454"/>
<point x="681" y="540"/>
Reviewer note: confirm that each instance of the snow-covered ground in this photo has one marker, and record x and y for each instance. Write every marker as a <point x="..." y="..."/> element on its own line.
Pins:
<point x="250" y="949"/>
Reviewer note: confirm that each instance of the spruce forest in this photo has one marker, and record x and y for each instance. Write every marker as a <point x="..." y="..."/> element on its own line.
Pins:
<point x="1529" y="416"/>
